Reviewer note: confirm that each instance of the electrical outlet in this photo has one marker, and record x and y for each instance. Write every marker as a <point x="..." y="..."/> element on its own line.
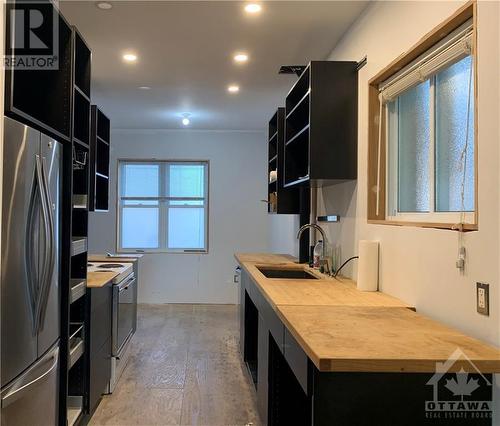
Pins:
<point x="483" y="298"/>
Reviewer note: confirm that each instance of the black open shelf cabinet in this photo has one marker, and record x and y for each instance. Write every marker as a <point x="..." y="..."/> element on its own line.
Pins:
<point x="73" y="377"/>
<point x="41" y="98"/>
<point x="321" y="125"/>
<point x="280" y="200"/>
<point x="99" y="160"/>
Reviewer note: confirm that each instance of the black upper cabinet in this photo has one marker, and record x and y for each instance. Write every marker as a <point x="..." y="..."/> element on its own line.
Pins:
<point x="81" y="123"/>
<point x="99" y="160"/>
<point x="81" y="90"/>
<point x="280" y="200"/>
<point x="41" y="98"/>
<point x="83" y="59"/>
<point x="321" y="125"/>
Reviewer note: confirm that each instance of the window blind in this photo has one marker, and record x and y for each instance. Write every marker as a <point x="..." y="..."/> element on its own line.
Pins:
<point x="456" y="46"/>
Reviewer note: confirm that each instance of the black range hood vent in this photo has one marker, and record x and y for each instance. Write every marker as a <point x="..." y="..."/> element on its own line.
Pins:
<point x="292" y="69"/>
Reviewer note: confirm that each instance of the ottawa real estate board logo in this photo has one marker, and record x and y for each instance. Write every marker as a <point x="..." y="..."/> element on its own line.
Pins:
<point x="32" y="35"/>
<point x="465" y="393"/>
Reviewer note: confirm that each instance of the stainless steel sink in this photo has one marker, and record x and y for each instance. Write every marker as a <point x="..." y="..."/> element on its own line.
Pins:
<point x="292" y="274"/>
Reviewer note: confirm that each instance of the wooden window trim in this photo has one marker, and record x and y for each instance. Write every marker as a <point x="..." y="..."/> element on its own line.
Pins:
<point x="462" y="15"/>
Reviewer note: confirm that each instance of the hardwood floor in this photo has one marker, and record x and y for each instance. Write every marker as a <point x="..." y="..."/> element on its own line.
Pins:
<point x="185" y="369"/>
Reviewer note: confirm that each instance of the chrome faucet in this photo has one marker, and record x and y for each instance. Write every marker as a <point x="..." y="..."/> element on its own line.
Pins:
<point x="317" y="228"/>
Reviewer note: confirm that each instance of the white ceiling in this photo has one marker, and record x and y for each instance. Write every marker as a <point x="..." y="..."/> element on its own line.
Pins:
<point x="185" y="53"/>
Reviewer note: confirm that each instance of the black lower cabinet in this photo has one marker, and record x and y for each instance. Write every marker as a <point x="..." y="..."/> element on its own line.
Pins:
<point x="251" y="337"/>
<point x="100" y="374"/>
<point x="263" y="371"/>
<point x="241" y="311"/>
<point x="289" y="404"/>
<point x="292" y="391"/>
<point x="368" y="399"/>
<point x="100" y="344"/>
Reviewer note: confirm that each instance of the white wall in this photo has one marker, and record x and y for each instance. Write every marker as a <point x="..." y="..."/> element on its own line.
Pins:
<point x="282" y="233"/>
<point x="237" y="219"/>
<point x="418" y="265"/>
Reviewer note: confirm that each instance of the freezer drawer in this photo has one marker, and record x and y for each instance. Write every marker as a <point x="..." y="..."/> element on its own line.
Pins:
<point x="33" y="398"/>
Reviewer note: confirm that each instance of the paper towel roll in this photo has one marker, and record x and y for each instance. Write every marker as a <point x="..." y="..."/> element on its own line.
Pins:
<point x="368" y="265"/>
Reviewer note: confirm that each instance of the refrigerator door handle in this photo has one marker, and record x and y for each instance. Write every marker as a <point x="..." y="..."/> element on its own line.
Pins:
<point x="29" y="252"/>
<point x="49" y="244"/>
<point x="27" y="382"/>
<point x="46" y="255"/>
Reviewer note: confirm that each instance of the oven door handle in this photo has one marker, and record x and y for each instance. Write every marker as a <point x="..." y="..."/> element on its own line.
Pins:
<point x="123" y="289"/>
<point x="126" y="284"/>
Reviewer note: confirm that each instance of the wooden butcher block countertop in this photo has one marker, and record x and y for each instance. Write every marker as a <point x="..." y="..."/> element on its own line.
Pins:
<point x="323" y="291"/>
<point x="99" y="279"/>
<point x="346" y="330"/>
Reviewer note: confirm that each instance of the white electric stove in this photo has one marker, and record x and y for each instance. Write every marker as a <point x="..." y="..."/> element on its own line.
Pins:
<point x="123" y="269"/>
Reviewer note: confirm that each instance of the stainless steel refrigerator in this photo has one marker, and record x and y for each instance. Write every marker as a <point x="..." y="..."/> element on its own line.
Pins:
<point x="31" y="233"/>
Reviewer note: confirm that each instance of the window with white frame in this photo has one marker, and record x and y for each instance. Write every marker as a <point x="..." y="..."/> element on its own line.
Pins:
<point x="429" y="128"/>
<point x="163" y="206"/>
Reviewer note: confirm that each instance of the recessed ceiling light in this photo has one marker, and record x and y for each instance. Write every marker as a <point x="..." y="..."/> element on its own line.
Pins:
<point x="144" y="88"/>
<point x="240" y="57"/>
<point x="130" y="57"/>
<point x="104" y="5"/>
<point x="253" y="8"/>
<point x="233" y="88"/>
<point x="185" y="118"/>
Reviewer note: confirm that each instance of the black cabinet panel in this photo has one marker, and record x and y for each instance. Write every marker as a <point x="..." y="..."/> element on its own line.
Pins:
<point x="81" y="125"/>
<point x="273" y="323"/>
<point x="100" y="316"/>
<point x="366" y="399"/>
<point x="100" y="343"/>
<point x="288" y="403"/>
<point x="100" y="374"/>
<point x="263" y="371"/>
<point x="38" y="97"/>
<point x="258" y="324"/>
<point x="99" y="160"/>
<point x="280" y="200"/>
<point x="297" y="360"/>
<point x="251" y="338"/>
<point x="82" y="64"/>
<point x="241" y="312"/>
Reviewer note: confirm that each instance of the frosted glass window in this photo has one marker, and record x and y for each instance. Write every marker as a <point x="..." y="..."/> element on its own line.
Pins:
<point x="139" y="228"/>
<point x="186" y="228"/>
<point x="413" y="149"/>
<point x="430" y="152"/>
<point x="452" y="111"/>
<point x="186" y="180"/>
<point x="140" y="180"/>
<point x="163" y="206"/>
